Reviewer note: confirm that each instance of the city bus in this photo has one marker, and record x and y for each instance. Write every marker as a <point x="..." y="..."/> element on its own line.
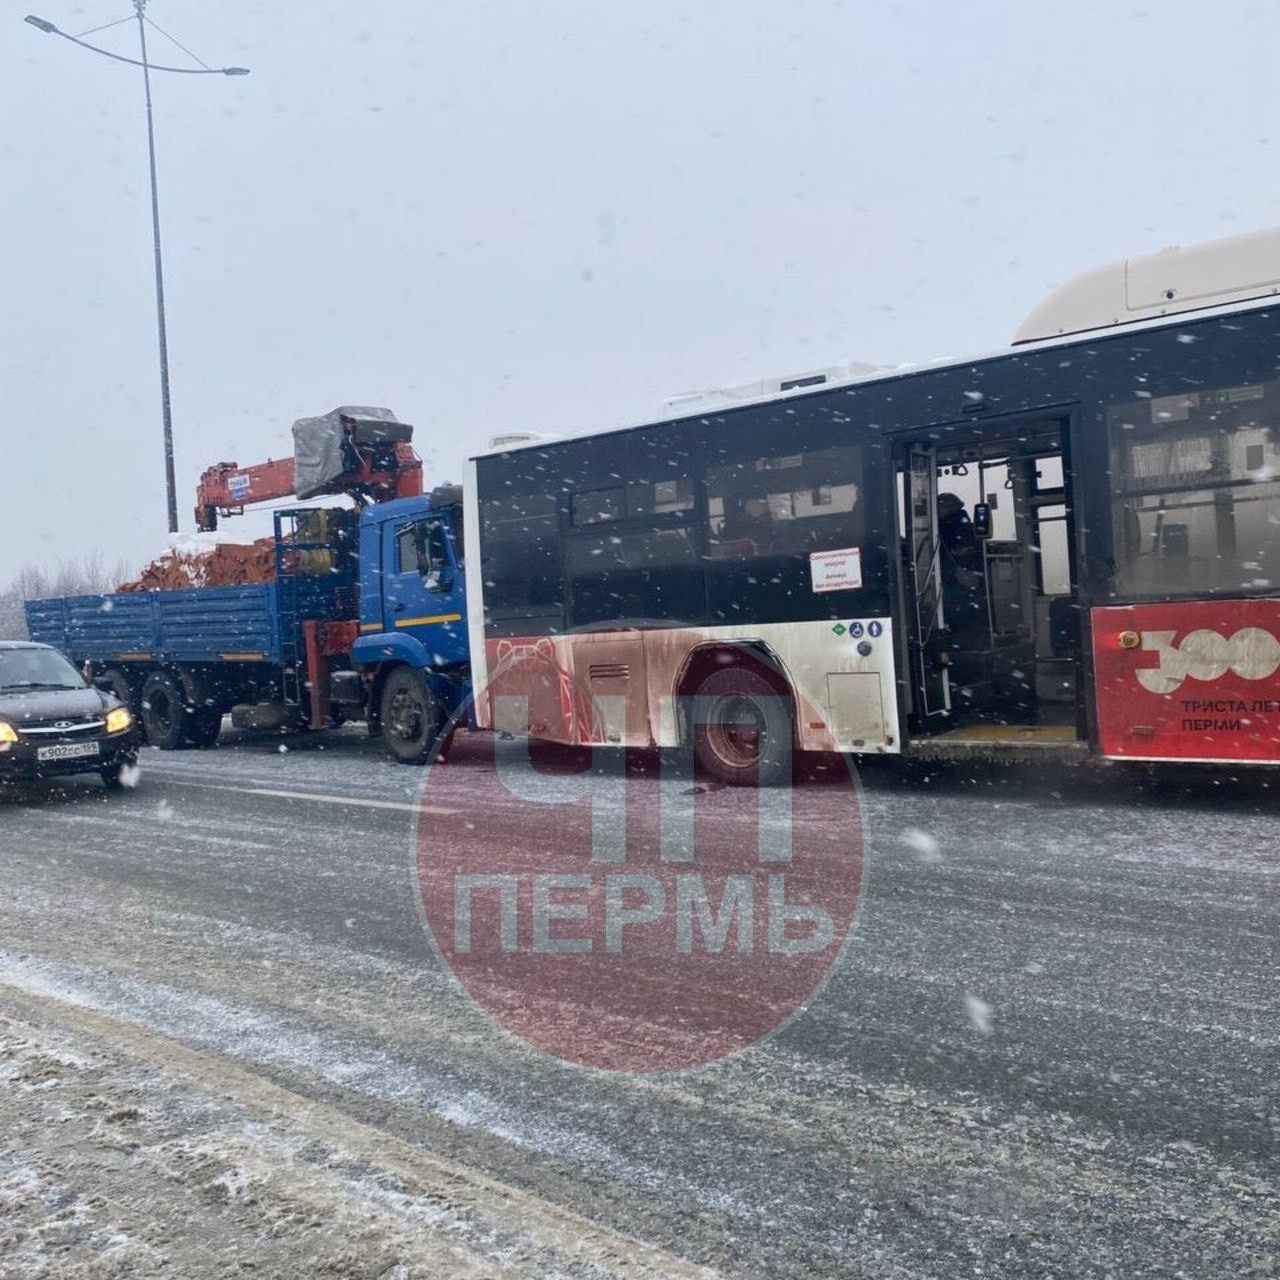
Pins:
<point x="1067" y="548"/>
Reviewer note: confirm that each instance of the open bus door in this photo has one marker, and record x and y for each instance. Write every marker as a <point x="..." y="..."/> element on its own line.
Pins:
<point x="990" y="584"/>
<point x="932" y="686"/>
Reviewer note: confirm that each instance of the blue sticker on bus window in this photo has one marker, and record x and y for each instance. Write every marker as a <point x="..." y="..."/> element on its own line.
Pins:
<point x="855" y="629"/>
<point x="874" y="629"/>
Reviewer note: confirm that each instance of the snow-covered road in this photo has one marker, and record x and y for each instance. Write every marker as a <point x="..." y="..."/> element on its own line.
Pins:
<point x="1051" y="1049"/>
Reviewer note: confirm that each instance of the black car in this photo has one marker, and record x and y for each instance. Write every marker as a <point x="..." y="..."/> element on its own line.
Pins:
<point x="53" y="723"/>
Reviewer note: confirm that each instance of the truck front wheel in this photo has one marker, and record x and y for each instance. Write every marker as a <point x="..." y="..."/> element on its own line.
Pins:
<point x="164" y="712"/>
<point x="411" y="716"/>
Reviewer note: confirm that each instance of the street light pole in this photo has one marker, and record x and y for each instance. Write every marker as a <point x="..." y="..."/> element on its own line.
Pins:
<point x="166" y="403"/>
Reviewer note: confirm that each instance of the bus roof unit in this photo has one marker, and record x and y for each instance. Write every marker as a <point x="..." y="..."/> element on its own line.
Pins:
<point x="1174" y="280"/>
<point x="763" y="388"/>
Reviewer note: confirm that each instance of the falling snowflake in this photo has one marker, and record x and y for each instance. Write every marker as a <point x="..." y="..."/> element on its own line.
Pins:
<point x="979" y="1014"/>
<point x="925" y="846"/>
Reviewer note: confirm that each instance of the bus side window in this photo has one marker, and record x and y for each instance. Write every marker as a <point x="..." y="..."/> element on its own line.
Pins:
<point x="781" y="505"/>
<point x="1194" y="483"/>
<point x="745" y="527"/>
<point x="520" y="549"/>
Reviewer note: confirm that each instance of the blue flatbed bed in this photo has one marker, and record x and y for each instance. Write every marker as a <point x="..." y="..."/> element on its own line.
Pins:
<point x="195" y="625"/>
<point x="200" y="624"/>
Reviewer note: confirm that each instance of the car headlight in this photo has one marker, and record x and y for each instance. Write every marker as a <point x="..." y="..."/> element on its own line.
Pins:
<point x="118" y="720"/>
<point x="8" y="733"/>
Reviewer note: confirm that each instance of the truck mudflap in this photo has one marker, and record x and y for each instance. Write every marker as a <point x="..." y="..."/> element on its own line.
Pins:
<point x="1189" y="681"/>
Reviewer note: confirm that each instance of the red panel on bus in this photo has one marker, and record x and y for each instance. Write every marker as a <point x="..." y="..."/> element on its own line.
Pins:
<point x="1189" y="681"/>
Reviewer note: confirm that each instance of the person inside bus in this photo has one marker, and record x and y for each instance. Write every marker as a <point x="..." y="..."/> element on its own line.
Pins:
<point x="964" y="596"/>
<point x="747" y="521"/>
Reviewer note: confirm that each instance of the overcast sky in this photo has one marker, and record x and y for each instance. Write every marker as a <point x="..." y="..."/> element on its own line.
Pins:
<point x="496" y="216"/>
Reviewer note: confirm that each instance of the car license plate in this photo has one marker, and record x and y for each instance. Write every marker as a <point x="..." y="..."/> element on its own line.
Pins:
<point x="67" y="751"/>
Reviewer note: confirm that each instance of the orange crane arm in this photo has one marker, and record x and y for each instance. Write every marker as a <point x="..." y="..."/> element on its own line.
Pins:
<point x="226" y="488"/>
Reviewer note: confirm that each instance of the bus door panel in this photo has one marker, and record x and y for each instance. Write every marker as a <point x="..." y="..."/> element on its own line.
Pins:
<point x="925" y="603"/>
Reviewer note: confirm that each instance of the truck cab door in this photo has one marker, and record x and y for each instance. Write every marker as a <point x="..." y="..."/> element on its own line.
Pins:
<point x="423" y="587"/>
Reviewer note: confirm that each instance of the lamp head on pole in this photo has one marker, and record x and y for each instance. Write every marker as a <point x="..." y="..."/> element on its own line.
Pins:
<point x="43" y="24"/>
<point x="235" y="71"/>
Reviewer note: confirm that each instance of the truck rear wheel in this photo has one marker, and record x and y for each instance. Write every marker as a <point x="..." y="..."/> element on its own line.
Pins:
<point x="742" y="731"/>
<point x="411" y="716"/>
<point x="164" y="712"/>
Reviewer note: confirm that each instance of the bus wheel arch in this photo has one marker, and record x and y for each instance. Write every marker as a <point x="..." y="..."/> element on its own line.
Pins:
<point x="738" y="711"/>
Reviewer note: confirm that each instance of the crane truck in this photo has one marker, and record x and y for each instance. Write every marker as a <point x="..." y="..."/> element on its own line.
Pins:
<point x="364" y="618"/>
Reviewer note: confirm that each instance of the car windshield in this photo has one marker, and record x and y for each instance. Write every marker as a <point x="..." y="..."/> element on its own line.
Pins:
<point x="37" y="669"/>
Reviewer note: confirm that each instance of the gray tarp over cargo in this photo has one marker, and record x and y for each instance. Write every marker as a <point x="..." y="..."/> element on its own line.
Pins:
<point x="321" y="446"/>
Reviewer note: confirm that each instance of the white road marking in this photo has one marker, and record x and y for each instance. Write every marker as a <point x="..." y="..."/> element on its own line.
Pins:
<point x="318" y="797"/>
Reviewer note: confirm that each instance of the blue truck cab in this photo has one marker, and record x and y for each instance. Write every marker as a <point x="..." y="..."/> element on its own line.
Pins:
<point x="413" y="648"/>
<point x="365" y="619"/>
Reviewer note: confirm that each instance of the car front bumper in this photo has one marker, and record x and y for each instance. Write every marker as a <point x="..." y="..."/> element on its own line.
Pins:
<point x="20" y="761"/>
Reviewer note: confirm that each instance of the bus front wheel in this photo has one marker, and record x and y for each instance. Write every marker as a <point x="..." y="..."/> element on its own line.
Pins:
<point x="742" y="731"/>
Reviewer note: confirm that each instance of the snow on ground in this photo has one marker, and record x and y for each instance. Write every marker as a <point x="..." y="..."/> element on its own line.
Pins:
<point x="116" y="1163"/>
<point x="1050" y="1050"/>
